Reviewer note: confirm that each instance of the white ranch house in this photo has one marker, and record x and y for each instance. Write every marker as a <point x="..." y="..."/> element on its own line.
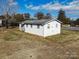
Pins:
<point x="44" y="27"/>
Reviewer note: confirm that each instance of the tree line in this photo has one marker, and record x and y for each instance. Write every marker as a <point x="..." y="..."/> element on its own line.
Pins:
<point x="62" y="17"/>
<point x="15" y="19"/>
<point x="9" y="9"/>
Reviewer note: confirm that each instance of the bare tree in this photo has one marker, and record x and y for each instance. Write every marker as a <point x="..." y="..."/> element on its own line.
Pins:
<point x="26" y="16"/>
<point x="48" y="16"/>
<point x="39" y="15"/>
<point x="8" y="7"/>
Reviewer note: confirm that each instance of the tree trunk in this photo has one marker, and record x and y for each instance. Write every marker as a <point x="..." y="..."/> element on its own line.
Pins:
<point x="6" y="24"/>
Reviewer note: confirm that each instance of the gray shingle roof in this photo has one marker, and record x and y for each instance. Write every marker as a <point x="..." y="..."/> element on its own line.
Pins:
<point x="38" y="22"/>
<point x="34" y="21"/>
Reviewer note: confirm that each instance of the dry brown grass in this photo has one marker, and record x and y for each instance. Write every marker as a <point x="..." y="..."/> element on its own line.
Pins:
<point x="15" y="44"/>
<point x="65" y="36"/>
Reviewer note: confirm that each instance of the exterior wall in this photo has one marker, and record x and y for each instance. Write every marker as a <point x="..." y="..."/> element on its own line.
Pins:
<point x="0" y="22"/>
<point x="21" y="28"/>
<point x="33" y="30"/>
<point x="54" y="28"/>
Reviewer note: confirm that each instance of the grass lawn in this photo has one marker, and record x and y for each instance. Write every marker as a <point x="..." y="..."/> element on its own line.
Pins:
<point x="15" y="34"/>
<point x="15" y="44"/>
<point x="65" y="36"/>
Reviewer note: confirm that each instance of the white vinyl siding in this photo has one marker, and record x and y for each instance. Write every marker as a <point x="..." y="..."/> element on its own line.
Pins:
<point x="51" y="28"/>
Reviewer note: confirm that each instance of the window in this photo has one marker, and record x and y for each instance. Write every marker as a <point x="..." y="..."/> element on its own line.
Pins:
<point x="26" y="25"/>
<point x="38" y="26"/>
<point x="31" y="25"/>
<point x="22" y="25"/>
<point x="48" y="26"/>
